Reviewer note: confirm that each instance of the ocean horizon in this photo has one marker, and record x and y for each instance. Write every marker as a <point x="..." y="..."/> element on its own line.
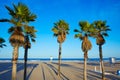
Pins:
<point x="64" y="59"/>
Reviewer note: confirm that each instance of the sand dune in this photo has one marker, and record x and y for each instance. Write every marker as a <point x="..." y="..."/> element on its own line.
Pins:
<point x="69" y="71"/>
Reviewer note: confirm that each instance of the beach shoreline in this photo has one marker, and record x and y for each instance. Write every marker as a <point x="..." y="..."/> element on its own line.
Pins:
<point x="69" y="70"/>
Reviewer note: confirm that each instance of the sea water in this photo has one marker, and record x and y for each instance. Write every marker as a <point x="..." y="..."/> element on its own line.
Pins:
<point x="63" y="59"/>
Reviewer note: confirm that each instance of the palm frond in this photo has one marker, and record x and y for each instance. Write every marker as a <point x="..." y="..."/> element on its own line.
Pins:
<point x="105" y="34"/>
<point x="15" y="8"/>
<point x="4" y="20"/>
<point x="32" y="35"/>
<point x="75" y="30"/>
<point x="2" y="45"/>
<point x="33" y="40"/>
<point x="2" y="40"/>
<point x="32" y="17"/>
<point x="55" y="30"/>
<point x="107" y="28"/>
<point x="55" y="35"/>
<point x="78" y="36"/>
<point x="102" y="29"/>
<point x="11" y="29"/>
<point x="60" y="29"/>
<point x="85" y="26"/>
<point x="11" y="12"/>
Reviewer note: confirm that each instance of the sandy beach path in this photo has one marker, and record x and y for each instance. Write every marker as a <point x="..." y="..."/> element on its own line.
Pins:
<point x="74" y="71"/>
<point x="48" y="71"/>
<point x="38" y="71"/>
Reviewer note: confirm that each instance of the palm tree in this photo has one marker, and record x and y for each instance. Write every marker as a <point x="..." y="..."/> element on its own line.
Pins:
<point x="21" y="15"/>
<point x="30" y="33"/>
<point x="2" y="42"/>
<point x="83" y="34"/>
<point x="100" y="32"/>
<point x="17" y="38"/>
<point x="60" y="30"/>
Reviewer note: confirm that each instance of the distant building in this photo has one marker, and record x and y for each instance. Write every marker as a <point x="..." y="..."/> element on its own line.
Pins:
<point x="51" y="58"/>
<point x="112" y="60"/>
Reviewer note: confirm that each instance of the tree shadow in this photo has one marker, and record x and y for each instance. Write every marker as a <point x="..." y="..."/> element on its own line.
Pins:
<point x="91" y="75"/>
<point x="62" y="64"/>
<point x="55" y="70"/>
<point x="6" y="70"/>
<point x="33" y="67"/>
<point x="20" y="66"/>
<point x="99" y="76"/>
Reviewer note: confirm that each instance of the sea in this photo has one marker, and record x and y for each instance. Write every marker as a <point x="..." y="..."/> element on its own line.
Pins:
<point x="111" y="59"/>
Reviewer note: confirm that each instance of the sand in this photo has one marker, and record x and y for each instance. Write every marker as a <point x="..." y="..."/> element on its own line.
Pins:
<point x="69" y="71"/>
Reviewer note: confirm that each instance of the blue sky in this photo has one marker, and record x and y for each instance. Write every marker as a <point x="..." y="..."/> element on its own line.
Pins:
<point x="72" y="11"/>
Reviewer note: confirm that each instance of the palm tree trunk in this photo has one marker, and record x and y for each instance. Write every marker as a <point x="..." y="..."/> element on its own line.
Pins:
<point x="59" y="59"/>
<point x="85" y="66"/>
<point x="25" y="56"/>
<point x="101" y="62"/>
<point x="25" y="61"/>
<point x="14" y="62"/>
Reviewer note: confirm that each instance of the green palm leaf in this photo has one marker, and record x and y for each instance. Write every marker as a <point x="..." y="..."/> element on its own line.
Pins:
<point x="11" y="11"/>
<point x="60" y="29"/>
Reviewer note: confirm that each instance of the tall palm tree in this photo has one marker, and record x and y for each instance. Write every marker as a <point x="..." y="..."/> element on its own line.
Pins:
<point x="2" y="42"/>
<point x="17" y="14"/>
<point x="20" y="16"/>
<point x="60" y="29"/>
<point x="29" y="34"/>
<point x="100" y="32"/>
<point x="16" y="40"/>
<point x="29" y="31"/>
<point x="83" y="34"/>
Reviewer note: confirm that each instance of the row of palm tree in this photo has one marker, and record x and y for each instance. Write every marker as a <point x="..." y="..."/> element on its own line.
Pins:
<point x="21" y="33"/>
<point x="98" y="30"/>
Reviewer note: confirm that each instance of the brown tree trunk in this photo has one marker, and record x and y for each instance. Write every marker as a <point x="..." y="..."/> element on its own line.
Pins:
<point x="14" y="62"/>
<point x="85" y="66"/>
<point x="101" y="62"/>
<point x="25" y="62"/>
<point x="59" y="59"/>
<point x="25" y="57"/>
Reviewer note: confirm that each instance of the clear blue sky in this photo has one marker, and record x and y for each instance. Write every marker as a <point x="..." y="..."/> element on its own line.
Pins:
<point x="72" y="11"/>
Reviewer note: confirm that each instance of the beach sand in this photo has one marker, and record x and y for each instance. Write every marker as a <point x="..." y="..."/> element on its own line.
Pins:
<point x="69" y="71"/>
